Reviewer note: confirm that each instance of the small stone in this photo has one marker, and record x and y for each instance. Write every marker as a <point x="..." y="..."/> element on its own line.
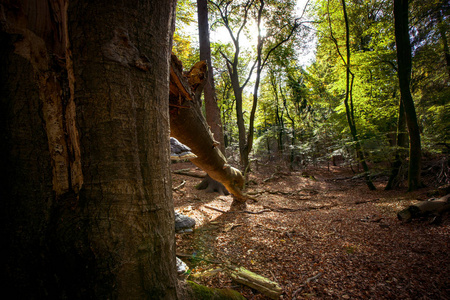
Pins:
<point x="183" y="224"/>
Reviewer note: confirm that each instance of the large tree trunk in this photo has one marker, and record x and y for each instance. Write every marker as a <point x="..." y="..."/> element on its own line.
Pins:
<point x="86" y="190"/>
<point x="404" y="75"/>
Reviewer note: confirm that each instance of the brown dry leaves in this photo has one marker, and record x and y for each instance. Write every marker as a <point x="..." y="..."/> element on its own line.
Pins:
<point x="317" y="237"/>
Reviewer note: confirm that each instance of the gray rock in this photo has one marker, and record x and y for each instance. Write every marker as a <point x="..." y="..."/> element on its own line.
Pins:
<point x="182" y="268"/>
<point x="183" y="224"/>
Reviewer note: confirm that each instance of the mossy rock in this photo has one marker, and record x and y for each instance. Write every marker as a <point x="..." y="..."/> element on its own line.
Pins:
<point x="201" y="292"/>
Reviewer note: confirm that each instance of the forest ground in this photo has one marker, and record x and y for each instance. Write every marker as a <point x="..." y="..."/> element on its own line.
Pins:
<point x="319" y="233"/>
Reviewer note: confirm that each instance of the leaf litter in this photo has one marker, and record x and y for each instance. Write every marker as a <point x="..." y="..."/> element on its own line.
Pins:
<point x="317" y="237"/>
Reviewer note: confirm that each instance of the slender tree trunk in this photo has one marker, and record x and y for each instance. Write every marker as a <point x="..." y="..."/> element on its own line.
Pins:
<point x="401" y="144"/>
<point x="211" y="107"/>
<point x="349" y="107"/>
<point x="259" y="67"/>
<point x="87" y="193"/>
<point x="293" y="137"/>
<point x="404" y="75"/>
<point x="443" y="27"/>
<point x="242" y="132"/>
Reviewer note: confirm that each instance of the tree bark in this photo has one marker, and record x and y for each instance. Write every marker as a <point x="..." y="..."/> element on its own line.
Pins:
<point x="349" y="107"/>
<point x="433" y="207"/>
<point x="86" y="188"/>
<point x="404" y="76"/>
<point x="401" y="145"/>
<point x="211" y="107"/>
<point x="443" y="27"/>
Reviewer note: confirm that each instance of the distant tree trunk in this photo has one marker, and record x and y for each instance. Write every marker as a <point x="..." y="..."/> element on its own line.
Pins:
<point x="443" y="27"/>
<point x="404" y="75"/>
<point x="86" y="189"/>
<point x="278" y="115"/>
<point x="401" y="143"/>
<point x="349" y="107"/>
<point x="293" y="132"/>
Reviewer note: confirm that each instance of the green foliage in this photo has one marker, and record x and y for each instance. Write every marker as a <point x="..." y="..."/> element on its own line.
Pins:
<point x="301" y="115"/>
<point x="185" y="38"/>
<point x="431" y="71"/>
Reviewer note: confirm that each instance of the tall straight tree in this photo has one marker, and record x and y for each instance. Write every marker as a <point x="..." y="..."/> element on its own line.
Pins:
<point x="85" y="186"/>
<point x="211" y="107"/>
<point x="403" y="44"/>
<point x="348" y="100"/>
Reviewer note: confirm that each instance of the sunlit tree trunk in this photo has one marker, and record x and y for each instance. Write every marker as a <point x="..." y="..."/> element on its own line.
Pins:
<point x="86" y="189"/>
<point x="404" y="75"/>
<point x="211" y="107"/>
<point x="348" y="102"/>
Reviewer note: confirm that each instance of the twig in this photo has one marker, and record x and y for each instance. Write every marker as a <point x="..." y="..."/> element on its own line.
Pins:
<point x="281" y="209"/>
<point x="179" y="186"/>
<point x="256" y="212"/>
<point x="237" y="211"/>
<point x="216" y="209"/>
<point x="315" y="277"/>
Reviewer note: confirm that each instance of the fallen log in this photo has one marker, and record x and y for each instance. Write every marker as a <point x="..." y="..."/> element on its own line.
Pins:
<point x="431" y="207"/>
<point x="266" y="286"/>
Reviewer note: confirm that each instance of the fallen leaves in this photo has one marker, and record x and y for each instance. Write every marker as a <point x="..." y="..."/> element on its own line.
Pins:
<point x="343" y="242"/>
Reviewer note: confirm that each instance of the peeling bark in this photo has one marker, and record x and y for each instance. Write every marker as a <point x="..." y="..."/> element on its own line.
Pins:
<point x="51" y="76"/>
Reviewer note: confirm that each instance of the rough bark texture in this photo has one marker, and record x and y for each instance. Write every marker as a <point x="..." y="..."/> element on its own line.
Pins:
<point x="85" y="182"/>
<point x="188" y="125"/>
<point x="404" y="75"/>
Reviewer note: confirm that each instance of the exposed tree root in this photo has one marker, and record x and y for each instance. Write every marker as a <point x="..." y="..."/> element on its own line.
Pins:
<point x="211" y="186"/>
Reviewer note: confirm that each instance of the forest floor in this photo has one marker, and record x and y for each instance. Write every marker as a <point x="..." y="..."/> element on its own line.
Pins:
<point x="320" y="234"/>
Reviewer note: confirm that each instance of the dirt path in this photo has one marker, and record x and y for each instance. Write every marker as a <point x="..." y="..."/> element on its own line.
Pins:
<point x="319" y="235"/>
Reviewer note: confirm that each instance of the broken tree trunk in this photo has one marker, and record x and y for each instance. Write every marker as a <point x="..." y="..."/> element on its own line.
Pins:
<point x="188" y="125"/>
<point x="433" y="207"/>
<point x="266" y="286"/>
